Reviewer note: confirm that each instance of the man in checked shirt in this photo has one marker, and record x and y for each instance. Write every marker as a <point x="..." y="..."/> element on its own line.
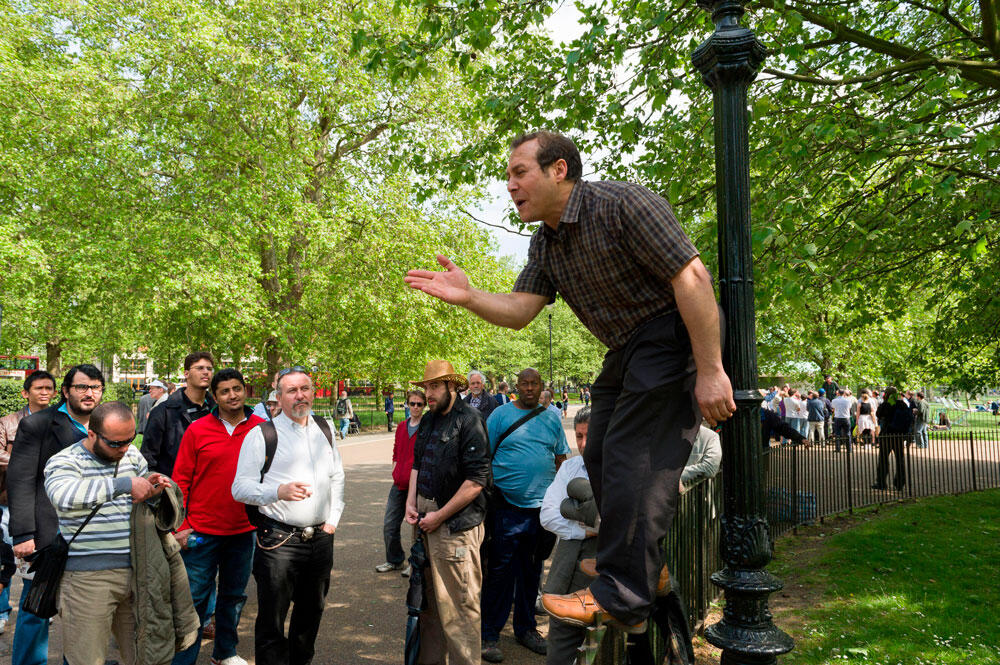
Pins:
<point x="616" y="254"/>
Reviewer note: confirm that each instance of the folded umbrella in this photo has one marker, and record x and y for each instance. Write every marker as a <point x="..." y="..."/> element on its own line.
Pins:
<point x="416" y="600"/>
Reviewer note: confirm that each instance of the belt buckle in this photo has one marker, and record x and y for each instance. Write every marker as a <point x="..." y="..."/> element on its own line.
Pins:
<point x="307" y="533"/>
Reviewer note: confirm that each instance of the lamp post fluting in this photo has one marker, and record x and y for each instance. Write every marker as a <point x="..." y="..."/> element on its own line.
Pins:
<point x="729" y="61"/>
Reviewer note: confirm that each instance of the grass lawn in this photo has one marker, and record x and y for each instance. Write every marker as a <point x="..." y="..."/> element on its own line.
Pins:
<point x="912" y="585"/>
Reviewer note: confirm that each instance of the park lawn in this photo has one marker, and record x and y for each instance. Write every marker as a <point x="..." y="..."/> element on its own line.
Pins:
<point x="915" y="584"/>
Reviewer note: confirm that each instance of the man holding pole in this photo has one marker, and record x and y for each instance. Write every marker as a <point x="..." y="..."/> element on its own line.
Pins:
<point x="652" y="303"/>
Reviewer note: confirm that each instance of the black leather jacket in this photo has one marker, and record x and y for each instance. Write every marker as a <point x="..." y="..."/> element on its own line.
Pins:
<point x="461" y="453"/>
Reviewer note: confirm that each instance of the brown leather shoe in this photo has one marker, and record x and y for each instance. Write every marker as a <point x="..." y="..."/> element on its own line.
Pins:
<point x="589" y="567"/>
<point x="581" y="609"/>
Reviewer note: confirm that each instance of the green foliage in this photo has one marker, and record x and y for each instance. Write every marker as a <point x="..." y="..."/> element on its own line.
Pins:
<point x="905" y="586"/>
<point x="120" y="392"/>
<point x="10" y="396"/>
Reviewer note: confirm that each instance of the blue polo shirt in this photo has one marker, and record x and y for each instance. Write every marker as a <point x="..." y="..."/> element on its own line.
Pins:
<point x="79" y="427"/>
<point x="524" y="465"/>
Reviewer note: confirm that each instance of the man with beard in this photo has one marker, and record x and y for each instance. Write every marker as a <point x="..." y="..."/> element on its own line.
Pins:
<point x="216" y="536"/>
<point x="101" y="473"/>
<point x="295" y="475"/>
<point x="39" y="388"/>
<point x="652" y="303"/>
<point x="165" y="427"/>
<point x="451" y="467"/>
<point x="33" y="520"/>
<point x="477" y="397"/>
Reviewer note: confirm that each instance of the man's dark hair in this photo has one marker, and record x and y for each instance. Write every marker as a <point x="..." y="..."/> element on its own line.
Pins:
<point x="38" y="376"/>
<point x="418" y="393"/>
<point x="88" y="370"/>
<point x="192" y="358"/>
<point x="502" y="386"/>
<point x="553" y="146"/>
<point x="920" y="394"/>
<point x="582" y="416"/>
<point x="106" y="410"/>
<point x="227" y="374"/>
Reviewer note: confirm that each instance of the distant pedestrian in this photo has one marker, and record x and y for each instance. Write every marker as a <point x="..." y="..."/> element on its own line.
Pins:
<point x="390" y="409"/>
<point x="502" y="397"/>
<point x="156" y="395"/>
<point x="263" y="409"/>
<point x="565" y="403"/>
<point x="922" y="415"/>
<point x="842" y="421"/>
<point x="345" y="413"/>
<point x="796" y="413"/>
<point x="451" y="467"/>
<point x="898" y="423"/>
<point x="816" y="415"/>
<point x="299" y="489"/>
<point x="402" y="465"/>
<point x="545" y="399"/>
<point x="865" y="417"/>
<point x="477" y="396"/>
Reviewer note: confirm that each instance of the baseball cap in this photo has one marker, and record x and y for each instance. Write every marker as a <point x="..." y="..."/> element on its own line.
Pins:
<point x="156" y="383"/>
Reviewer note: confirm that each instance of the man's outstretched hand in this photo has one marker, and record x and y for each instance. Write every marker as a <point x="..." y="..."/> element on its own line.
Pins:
<point x="451" y="286"/>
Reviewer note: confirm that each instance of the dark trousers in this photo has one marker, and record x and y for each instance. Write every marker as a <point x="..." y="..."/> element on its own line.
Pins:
<point x="891" y="442"/>
<point x="842" y="432"/>
<point x="295" y="573"/>
<point x="643" y="421"/>
<point x="395" y="510"/>
<point x="514" y="570"/>
<point x="388" y="421"/>
<point x="229" y="557"/>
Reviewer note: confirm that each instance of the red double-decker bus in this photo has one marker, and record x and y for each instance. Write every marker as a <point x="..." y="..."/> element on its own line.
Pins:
<point x="18" y="367"/>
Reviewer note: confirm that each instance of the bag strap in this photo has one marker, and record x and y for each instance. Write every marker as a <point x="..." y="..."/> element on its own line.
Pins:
<point x="271" y="440"/>
<point x="538" y="410"/>
<point x="92" y="512"/>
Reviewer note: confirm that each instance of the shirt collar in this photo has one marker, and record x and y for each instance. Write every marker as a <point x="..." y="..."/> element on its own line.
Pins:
<point x="571" y="213"/>
<point x="76" y="423"/>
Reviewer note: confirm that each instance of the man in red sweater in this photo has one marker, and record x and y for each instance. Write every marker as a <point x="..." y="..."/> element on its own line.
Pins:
<point x="216" y="537"/>
<point x="402" y="458"/>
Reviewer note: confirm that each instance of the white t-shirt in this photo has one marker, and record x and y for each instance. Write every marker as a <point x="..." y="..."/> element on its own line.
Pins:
<point x="841" y="407"/>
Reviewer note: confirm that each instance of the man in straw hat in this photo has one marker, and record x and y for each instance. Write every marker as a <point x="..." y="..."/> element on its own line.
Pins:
<point x="617" y="255"/>
<point x="451" y="467"/>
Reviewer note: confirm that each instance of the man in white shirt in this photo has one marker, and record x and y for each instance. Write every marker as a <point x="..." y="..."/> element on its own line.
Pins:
<point x="841" y="421"/>
<point x="300" y="498"/>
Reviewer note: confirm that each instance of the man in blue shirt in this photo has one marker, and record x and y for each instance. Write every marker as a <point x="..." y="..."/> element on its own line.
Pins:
<point x="524" y="465"/>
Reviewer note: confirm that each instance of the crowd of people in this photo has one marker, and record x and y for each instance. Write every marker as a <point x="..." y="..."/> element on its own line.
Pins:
<point x="887" y="418"/>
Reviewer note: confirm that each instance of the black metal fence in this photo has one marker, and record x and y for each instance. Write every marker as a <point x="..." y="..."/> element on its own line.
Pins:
<point x="805" y="484"/>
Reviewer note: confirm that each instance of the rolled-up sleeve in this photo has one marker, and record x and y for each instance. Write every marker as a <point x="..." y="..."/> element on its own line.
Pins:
<point x="247" y="485"/>
<point x="474" y="453"/>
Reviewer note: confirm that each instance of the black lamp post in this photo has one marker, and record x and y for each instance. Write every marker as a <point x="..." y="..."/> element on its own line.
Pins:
<point x="729" y="61"/>
<point x="550" y="350"/>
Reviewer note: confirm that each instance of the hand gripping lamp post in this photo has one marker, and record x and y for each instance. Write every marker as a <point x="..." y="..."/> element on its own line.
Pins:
<point x="729" y="61"/>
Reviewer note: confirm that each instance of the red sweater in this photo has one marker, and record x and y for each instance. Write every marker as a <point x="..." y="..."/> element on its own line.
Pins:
<point x="402" y="456"/>
<point x="204" y="472"/>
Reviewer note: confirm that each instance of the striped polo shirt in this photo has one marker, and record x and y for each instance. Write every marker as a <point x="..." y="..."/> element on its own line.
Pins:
<point x="76" y="480"/>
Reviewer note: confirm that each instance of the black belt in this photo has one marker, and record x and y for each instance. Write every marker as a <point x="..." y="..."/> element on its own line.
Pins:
<point x="304" y="533"/>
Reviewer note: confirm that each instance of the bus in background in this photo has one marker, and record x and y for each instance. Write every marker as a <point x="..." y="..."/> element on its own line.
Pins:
<point x="18" y="367"/>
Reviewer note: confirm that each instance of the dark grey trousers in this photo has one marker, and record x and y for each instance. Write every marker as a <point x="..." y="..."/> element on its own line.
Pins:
<point x="643" y="422"/>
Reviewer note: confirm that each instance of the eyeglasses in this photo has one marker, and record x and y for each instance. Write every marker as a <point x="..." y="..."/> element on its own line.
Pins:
<point x="114" y="444"/>
<point x="415" y="404"/>
<point x="84" y="388"/>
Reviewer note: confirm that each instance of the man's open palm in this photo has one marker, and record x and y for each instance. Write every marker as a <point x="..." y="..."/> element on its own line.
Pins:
<point x="451" y="286"/>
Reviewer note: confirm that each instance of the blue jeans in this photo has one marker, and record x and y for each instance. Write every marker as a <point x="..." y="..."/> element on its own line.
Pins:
<point x="395" y="509"/>
<point x="231" y="557"/>
<point x="921" y="435"/>
<point x="345" y="424"/>
<point x="513" y="573"/>
<point x="7" y="552"/>
<point x="31" y="636"/>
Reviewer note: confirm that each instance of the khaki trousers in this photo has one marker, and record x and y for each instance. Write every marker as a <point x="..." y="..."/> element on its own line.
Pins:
<point x="450" y="627"/>
<point x="94" y="604"/>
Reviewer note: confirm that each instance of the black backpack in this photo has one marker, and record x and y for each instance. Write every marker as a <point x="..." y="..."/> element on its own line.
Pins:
<point x="270" y="446"/>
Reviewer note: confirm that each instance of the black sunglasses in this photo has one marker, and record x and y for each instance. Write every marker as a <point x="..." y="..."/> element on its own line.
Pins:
<point x="114" y="444"/>
<point x="415" y="403"/>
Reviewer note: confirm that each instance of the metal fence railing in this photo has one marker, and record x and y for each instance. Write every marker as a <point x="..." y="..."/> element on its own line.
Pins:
<point x="806" y="484"/>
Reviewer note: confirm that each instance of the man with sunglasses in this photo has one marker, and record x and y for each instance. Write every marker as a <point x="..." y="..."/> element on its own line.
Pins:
<point x="167" y="423"/>
<point x="101" y="470"/>
<point x="402" y="464"/>
<point x="33" y="520"/>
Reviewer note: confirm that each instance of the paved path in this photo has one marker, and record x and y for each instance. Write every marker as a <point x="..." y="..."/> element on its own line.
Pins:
<point x="365" y="615"/>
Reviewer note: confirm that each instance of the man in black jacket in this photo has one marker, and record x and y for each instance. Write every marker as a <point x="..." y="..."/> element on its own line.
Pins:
<point x="898" y="422"/>
<point x="451" y="466"/>
<point x="33" y="520"/>
<point x="167" y="423"/>
<point x="477" y="396"/>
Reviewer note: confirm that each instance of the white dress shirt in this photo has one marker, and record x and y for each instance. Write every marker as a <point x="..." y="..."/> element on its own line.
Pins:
<point x="551" y="515"/>
<point x="304" y="455"/>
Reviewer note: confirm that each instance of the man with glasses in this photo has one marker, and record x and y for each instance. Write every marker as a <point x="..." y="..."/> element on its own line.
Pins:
<point x="402" y="464"/>
<point x="33" y="520"/>
<point x="291" y="469"/>
<point x="161" y="438"/>
<point x="39" y="388"/>
<point x="102" y="469"/>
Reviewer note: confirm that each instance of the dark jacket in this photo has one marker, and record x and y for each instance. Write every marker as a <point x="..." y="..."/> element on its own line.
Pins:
<point x="487" y="403"/>
<point x="39" y="436"/>
<point x="461" y="453"/>
<point x="898" y="416"/>
<point x="165" y="428"/>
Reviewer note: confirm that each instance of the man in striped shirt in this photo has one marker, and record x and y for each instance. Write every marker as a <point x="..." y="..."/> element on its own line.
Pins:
<point x="100" y="470"/>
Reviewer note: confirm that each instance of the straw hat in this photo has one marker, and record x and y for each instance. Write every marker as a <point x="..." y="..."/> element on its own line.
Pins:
<point x="440" y="370"/>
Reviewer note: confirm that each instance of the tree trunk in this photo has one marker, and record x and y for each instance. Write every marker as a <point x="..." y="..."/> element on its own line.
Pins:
<point x="53" y="357"/>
